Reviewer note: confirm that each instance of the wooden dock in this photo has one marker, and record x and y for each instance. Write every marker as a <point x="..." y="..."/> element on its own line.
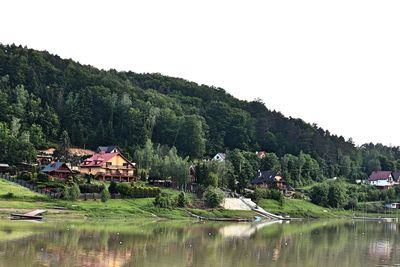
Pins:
<point x="33" y="215"/>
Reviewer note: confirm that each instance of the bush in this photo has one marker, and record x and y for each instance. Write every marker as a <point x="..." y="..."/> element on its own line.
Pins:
<point x="26" y="176"/>
<point x="105" y="195"/>
<point x="182" y="200"/>
<point x="91" y="188"/>
<point x="9" y="195"/>
<point x="199" y="190"/>
<point x="72" y="192"/>
<point x="43" y="177"/>
<point x="164" y="200"/>
<point x="319" y="194"/>
<point x="113" y="188"/>
<point x="134" y="191"/>
<point x="124" y="189"/>
<point x="213" y="197"/>
<point x="266" y="194"/>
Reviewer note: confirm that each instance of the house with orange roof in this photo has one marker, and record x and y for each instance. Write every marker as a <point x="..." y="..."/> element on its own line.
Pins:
<point x="109" y="165"/>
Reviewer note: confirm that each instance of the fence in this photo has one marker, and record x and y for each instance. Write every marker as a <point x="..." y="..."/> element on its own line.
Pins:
<point x="95" y="196"/>
<point x="30" y="186"/>
<point x="84" y="196"/>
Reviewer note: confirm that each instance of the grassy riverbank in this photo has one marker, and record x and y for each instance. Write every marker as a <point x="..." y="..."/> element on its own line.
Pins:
<point x="122" y="209"/>
<point x="22" y="199"/>
<point x="298" y="208"/>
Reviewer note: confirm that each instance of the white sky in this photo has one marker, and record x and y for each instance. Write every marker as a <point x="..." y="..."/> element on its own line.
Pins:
<point x="335" y="63"/>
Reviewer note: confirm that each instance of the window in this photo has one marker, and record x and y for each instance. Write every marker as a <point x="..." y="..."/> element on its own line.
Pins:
<point x="108" y="164"/>
<point x="125" y="164"/>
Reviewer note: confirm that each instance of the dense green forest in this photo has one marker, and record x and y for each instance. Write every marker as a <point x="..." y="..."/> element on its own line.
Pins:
<point x="43" y="95"/>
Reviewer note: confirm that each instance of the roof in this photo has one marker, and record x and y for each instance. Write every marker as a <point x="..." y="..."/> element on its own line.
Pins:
<point x="222" y="156"/>
<point x="81" y="152"/>
<point x="261" y="153"/>
<point x="106" y="149"/>
<point x="55" y="166"/>
<point x="101" y="159"/>
<point x="396" y="176"/>
<point x="4" y="165"/>
<point x="379" y="175"/>
<point x="49" y="151"/>
<point x="265" y="177"/>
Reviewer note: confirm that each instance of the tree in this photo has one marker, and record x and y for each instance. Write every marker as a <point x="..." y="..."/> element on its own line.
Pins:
<point x="213" y="197"/>
<point x="191" y="140"/>
<point x="212" y="179"/>
<point x="270" y="162"/>
<point x="182" y="200"/>
<point x="113" y="188"/>
<point x="72" y="192"/>
<point x="337" y="195"/>
<point x="105" y="195"/>
<point x="319" y="194"/>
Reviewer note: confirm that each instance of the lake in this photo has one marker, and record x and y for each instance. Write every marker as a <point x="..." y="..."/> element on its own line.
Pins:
<point x="176" y="243"/>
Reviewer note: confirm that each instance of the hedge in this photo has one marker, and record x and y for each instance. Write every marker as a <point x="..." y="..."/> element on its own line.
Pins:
<point x="91" y="188"/>
<point x="134" y="191"/>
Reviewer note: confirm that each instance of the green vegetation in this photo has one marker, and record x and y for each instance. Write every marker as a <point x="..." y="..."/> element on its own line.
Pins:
<point x="213" y="197"/>
<point x="105" y="195"/>
<point x="338" y="194"/>
<point x="41" y="94"/>
<point x="16" y="192"/>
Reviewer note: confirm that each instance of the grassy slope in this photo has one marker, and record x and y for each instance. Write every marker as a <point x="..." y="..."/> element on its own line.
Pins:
<point x="305" y="209"/>
<point x="113" y="209"/>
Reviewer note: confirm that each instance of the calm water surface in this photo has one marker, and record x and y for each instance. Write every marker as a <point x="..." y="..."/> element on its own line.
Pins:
<point x="310" y="243"/>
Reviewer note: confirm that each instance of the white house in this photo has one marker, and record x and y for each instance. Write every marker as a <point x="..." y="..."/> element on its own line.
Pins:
<point x="219" y="157"/>
<point x="381" y="179"/>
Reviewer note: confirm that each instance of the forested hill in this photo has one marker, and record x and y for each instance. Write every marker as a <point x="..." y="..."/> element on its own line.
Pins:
<point x="41" y="95"/>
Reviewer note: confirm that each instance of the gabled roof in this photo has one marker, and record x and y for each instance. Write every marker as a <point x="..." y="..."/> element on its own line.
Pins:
<point x="396" y="176"/>
<point x="265" y="177"/>
<point x="55" y="166"/>
<point x="106" y="149"/>
<point x="80" y="152"/>
<point x="98" y="160"/>
<point x="221" y="156"/>
<point x="379" y="175"/>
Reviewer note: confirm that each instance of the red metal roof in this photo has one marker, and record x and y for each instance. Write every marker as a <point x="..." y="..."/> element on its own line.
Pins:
<point x="379" y="175"/>
<point x="100" y="158"/>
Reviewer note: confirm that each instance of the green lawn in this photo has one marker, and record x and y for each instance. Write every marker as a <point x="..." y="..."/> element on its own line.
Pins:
<point x="19" y="192"/>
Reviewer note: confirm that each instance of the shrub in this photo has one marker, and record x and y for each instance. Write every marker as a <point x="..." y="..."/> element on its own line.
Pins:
<point x="72" y="192"/>
<point x="124" y="189"/>
<point x="91" y="188"/>
<point x="163" y="200"/>
<point x="182" y="200"/>
<point x="319" y="194"/>
<point x="113" y="188"/>
<point x="200" y="189"/>
<point x="43" y="177"/>
<point x="105" y="195"/>
<point x="26" y="176"/>
<point x="212" y="179"/>
<point x="134" y="191"/>
<point x="266" y="194"/>
<point x="9" y="195"/>
<point x="213" y="197"/>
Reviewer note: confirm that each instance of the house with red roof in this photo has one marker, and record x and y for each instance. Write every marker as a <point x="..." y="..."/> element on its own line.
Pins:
<point x="381" y="179"/>
<point x="57" y="169"/>
<point x="109" y="165"/>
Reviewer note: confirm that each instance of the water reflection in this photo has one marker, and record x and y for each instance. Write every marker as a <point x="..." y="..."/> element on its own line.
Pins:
<point x="317" y="243"/>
